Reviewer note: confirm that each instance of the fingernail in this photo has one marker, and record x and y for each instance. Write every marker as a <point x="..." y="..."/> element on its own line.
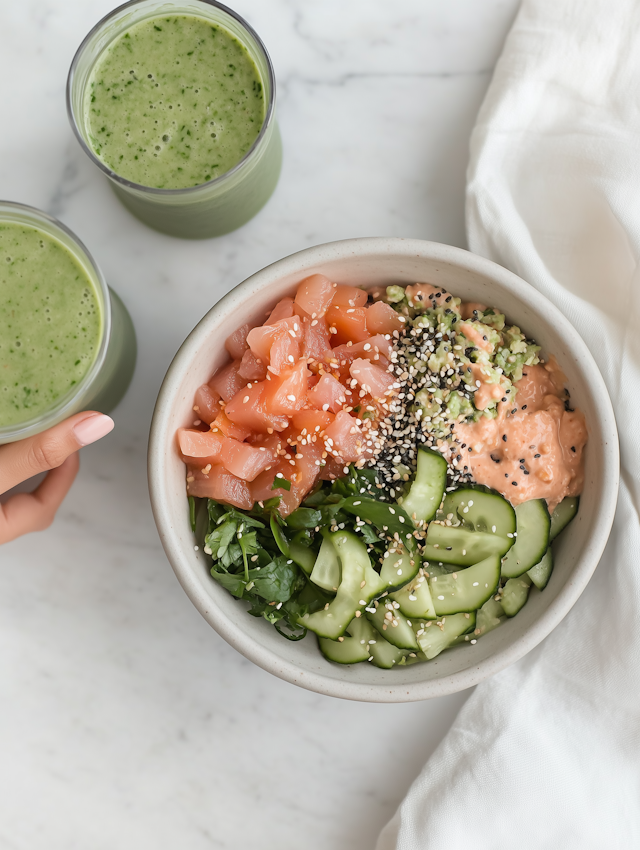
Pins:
<point x="93" y="428"/>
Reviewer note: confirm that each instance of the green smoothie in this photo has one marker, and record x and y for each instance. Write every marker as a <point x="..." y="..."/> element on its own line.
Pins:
<point x="50" y="323"/>
<point x="174" y="102"/>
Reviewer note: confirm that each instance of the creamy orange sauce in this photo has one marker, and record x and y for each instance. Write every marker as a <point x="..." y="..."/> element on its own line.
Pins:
<point x="468" y="308"/>
<point x="475" y="336"/>
<point x="429" y="296"/>
<point x="534" y="448"/>
<point x="487" y="391"/>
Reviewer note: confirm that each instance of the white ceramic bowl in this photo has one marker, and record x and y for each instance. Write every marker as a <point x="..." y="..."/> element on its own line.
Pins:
<point x="368" y="263"/>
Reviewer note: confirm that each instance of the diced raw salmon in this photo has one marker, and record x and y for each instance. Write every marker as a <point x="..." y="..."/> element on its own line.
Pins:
<point x="350" y="325"/>
<point x="253" y="413"/>
<point x="345" y="437"/>
<point x="374" y="348"/>
<point x="251" y="367"/>
<point x="262" y="486"/>
<point x="282" y="310"/>
<point x="285" y="393"/>
<point x="371" y="378"/>
<point x="383" y="319"/>
<point x="244" y="460"/>
<point x="285" y="335"/>
<point x="316" y="340"/>
<point x="237" y="344"/>
<point x="227" y="428"/>
<point x="311" y="421"/>
<point x="348" y="296"/>
<point x="285" y="351"/>
<point x="314" y="295"/>
<point x="206" y="403"/>
<point x="227" y="381"/>
<point x="306" y="471"/>
<point x="332" y="469"/>
<point x="199" y="444"/>
<point x="328" y="394"/>
<point x="221" y="485"/>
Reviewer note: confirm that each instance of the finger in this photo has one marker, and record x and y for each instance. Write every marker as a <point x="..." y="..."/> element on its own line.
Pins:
<point x="26" y="512"/>
<point x="48" y="450"/>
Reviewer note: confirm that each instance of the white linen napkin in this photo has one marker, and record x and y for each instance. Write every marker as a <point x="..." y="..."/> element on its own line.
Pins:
<point x="547" y="753"/>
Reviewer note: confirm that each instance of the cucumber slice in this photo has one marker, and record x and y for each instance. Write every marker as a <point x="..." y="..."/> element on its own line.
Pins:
<point x="486" y="512"/>
<point x="532" y="538"/>
<point x="514" y="594"/>
<point x="385" y="655"/>
<point x="327" y="573"/>
<point x="415" y="600"/>
<point x="462" y="547"/>
<point x="541" y="573"/>
<point x="563" y="515"/>
<point x="426" y="492"/>
<point x="466" y="590"/>
<point x="436" y="635"/>
<point x="412" y="658"/>
<point x="304" y="557"/>
<point x="360" y="584"/>
<point x="397" y="570"/>
<point x="396" y="629"/>
<point x="354" y="647"/>
<point x="489" y="617"/>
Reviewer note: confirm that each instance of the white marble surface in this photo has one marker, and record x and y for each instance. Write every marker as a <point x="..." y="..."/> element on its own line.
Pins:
<point x="125" y="721"/>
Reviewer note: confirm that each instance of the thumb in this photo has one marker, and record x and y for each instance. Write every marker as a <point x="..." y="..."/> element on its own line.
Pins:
<point x="48" y="450"/>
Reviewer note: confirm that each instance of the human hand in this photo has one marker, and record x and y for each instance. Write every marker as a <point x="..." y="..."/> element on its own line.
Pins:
<point x="54" y="451"/>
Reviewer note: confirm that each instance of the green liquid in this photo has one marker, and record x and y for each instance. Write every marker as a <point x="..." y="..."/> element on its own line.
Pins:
<point x="50" y="323"/>
<point x="173" y="103"/>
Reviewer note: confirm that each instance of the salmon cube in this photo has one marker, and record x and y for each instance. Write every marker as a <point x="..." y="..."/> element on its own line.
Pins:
<point x="371" y="378"/>
<point x="383" y="319"/>
<point x="221" y="485"/>
<point x="328" y="394"/>
<point x="348" y="325"/>
<point x="316" y="339"/>
<point x="206" y="403"/>
<point x="243" y="460"/>
<point x="249" y="409"/>
<point x="227" y="381"/>
<point x="282" y="310"/>
<point x="344" y="437"/>
<point x="306" y="471"/>
<point x="227" y="428"/>
<point x="314" y="295"/>
<point x="199" y="444"/>
<point x="311" y="421"/>
<point x="237" y="344"/>
<point x="251" y="367"/>
<point x="348" y="296"/>
<point x="286" y="393"/>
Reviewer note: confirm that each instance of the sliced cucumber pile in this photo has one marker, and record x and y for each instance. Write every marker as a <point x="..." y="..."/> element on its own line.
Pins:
<point x="473" y="569"/>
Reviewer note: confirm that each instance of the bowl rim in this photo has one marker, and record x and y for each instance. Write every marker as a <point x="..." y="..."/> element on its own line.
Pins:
<point x="316" y="681"/>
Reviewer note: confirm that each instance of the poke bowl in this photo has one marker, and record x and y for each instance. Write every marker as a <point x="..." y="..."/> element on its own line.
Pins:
<point x="373" y="265"/>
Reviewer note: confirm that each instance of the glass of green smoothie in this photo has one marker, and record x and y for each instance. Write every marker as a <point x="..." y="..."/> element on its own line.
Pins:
<point x="175" y="103"/>
<point x="67" y="342"/>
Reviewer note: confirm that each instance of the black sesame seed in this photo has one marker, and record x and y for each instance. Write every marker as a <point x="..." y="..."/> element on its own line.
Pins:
<point x="573" y="448"/>
<point x="515" y="483"/>
<point x="536" y="455"/>
<point x="504" y="437"/>
<point x="521" y="460"/>
<point x="524" y="406"/>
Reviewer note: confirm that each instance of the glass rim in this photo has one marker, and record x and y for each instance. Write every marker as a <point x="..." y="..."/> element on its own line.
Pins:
<point x="60" y="411"/>
<point x="216" y="181"/>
